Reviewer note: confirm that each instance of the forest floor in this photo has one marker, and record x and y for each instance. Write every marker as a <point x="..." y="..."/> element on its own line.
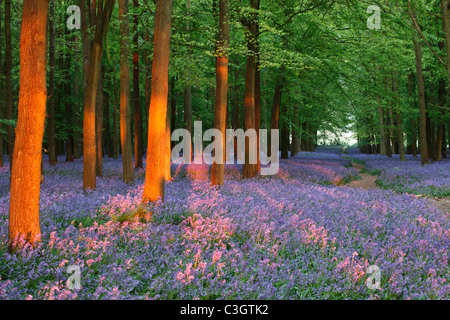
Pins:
<point x="301" y="234"/>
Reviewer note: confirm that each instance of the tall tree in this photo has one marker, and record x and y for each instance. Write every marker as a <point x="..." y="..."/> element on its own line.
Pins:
<point x="51" y="88"/>
<point x="102" y="17"/>
<point x="8" y="82"/>
<point x="422" y="107"/>
<point x="156" y="160"/>
<point x="125" y="112"/>
<point x="249" y="170"/>
<point x="220" y="113"/>
<point x="401" y="147"/>
<point x="136" y="93"/>
<point x="99" y="125"/>
<point x="26" y="172"/>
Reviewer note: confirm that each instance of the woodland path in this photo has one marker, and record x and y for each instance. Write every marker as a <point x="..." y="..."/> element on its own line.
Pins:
<point x="367" y="181"/>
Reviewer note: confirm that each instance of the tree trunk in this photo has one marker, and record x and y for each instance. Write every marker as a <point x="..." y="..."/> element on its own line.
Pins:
<point x="173" y="111"/>
<point x="89" y="140"/>
<point x="422" y="108"/>
<point x="156" y="161"/>
<point x="107" y="125"/>
<point x="250" y="170"/>
<point x="401" y="147"/>
<point x="51" y="88"/>
<point x="136" y="95"/>
<point x="388" y="137"/>
<point x="8" y="82"/>
<point x="26" y="173"/>
<point x="220" y="113"/>
<point x="275" y="119"/>
<point x="125" y="112"/>
<point x="116" y="115"/>
<point x="76" y="106"/>
<point x="235" y="119"/>
<point x="381" y="127"/>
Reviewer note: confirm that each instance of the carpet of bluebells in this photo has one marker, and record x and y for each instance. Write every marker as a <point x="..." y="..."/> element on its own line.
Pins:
<point x="302" y="234"/>
<point x="409" y="176"/>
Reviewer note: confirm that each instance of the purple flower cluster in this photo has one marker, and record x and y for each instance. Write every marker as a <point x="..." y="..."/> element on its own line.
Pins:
<point x="290" y="236"/>
<point x="409" y="176"/>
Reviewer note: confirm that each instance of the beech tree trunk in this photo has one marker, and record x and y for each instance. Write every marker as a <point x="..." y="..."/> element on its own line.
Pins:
<point x="156" y="160"/>
<point x="26" y="172"/>
<point x="116" y="115"/>
<point x="250" y="170"/>
<point x="401" y="147"/>
<point x="422" y="108"/>
<point x="51" y="88"/>
<point x="8" y="82"/>
<point x="136" y="95"/>
<point x="99" y="125"/>
<point x="275" y="119"/>
<point x="413" y="121"/>
<point x="125" y="112"/>
<point x="76" y="107"/>
<point x="381" y="127"/>
<point x="89" y="140"/>
<point x="220" y="112"/>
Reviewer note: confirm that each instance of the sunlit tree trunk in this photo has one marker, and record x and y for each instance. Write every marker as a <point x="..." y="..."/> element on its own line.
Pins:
<point x="89" y="140"/>
<point x="26" y="172"/>
<point x="413" y="120"/>
<point x="156" y="161"/>
<point x="220" y="113"/>
<point x="125" y="112"/>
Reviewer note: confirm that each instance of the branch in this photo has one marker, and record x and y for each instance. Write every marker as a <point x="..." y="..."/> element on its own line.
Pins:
<point x="416" y="26"/>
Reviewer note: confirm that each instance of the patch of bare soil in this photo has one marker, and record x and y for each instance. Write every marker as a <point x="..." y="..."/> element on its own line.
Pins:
<point x="443" y="205"/>
<point x="367" y="181"/>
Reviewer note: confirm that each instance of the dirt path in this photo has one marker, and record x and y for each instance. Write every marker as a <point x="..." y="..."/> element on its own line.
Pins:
<point x="443" y="205"/>
<point x="367" y="181"/>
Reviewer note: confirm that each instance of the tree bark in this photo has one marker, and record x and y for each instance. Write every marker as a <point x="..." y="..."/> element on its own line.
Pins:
<point x="8" y="82"/>
<point x="26" y="173"/>
<point x="250" y="170"/>
<point x="422" y="108"/>
<point x="401" y="147"/>
<point x="156" y="161"/>
<point x="89" y="140"/>
<point x="275" y="119"/>
<point x="220" y="113"/>
<point x="99" y="125"/>
<point x="136" y="95"/>
<point x="51" y="88"/>
<point x="125" y="112"/>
